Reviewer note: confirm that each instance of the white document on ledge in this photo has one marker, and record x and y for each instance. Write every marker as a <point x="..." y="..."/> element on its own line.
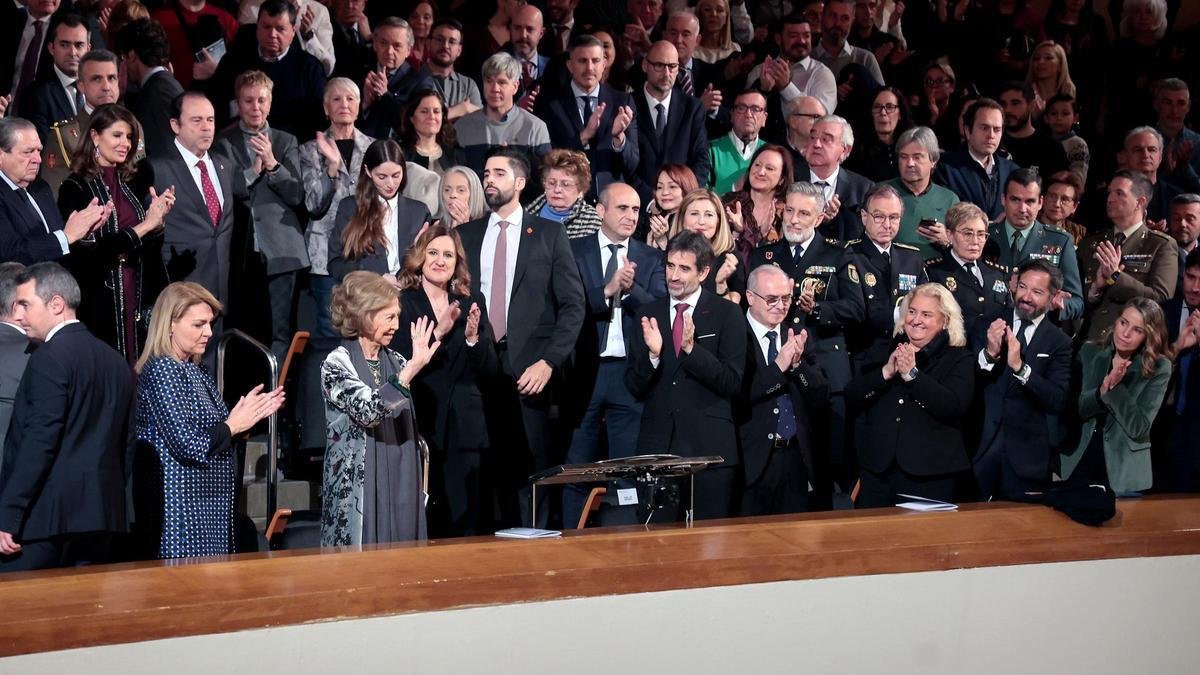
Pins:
<point x="916" y="503"/>
<point x="528" y="533"/>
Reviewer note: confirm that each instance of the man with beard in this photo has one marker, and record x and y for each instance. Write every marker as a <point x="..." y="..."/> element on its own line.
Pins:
<point x="794" y="73"/>
<point x="1025" y="370"/>
<point x="981" y="288"/>
<point x="833" y="50"/>
<point x="1021" y="237"/>
<point x="1185" y="228"/>
<point x="975" y="172"/>
<point x="1028" y="146"/>
<point x="562" y="21"/>
<point x="1177" y="425"/>
<point x="522" y="265"/>
<point x="670" y="123"/>
<point x="826" y="298"/>
<point x="460" y="92"/>
<point x="525" y="29"/>
<point x="1128" y="261"/>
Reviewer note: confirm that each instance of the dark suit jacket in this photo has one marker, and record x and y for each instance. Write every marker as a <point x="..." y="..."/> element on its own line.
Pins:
<point x="351" y="54"/>
<point x="689" y="398"/>
<point x="546" y="306"/>
<point x="23" y="236"/>
<point x="151" y="105"/>
<point x="684" y="141"/>
<point x="12" y="21"/>
<point x="67" y="455"/>
<point x="1022" y="420"/>
<point x="379" y="120"/>
<point x="917" y="424"/>
<point x="412" y="216"/>
<point x="45" y="102"/>
<point x="757" y="413"/>
<point x="14" y="353"/>
<point x="193" y="249"/>
<point x="563" y="122"/>
<point x="851" y="188"/>
<point x="446" y="393"/>
<point x="883" y="287"/>
<point x="959" y="172"/>
<point x="977" y="301"/>
<point x="649" y="283"/>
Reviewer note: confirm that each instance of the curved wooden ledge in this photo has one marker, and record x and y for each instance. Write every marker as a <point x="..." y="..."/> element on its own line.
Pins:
<point x="64" y="609"/>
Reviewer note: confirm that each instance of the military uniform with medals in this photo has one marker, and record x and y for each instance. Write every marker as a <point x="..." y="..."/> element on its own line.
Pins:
<point x="63" y="142"/>
<point x="884" y="284"/>
<point x="976" y="300"/>
<point x="1149" y="269"/>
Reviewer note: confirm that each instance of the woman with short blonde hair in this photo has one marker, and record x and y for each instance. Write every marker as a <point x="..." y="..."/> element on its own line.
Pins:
<point x="702" y="211"/>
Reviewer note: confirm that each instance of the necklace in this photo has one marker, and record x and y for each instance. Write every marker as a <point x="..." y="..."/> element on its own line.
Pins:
<point x="375" y="374"/>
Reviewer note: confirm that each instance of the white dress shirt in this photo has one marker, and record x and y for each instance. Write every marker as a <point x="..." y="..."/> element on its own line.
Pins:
<point x="54" y="331"/>
<point x="691" y="300"/>
<point x="810" y="77"/>
<point x="191" y="160"/>
<point x="975" y="271"/>
<point x="69" y="86"/>
<point x="802" y="246"/>
<point x="652" y="102"/>
<point x="746" y="150"/>
<point x="58" y="234"/>
<point x="830" y="187"/>
<point x="391" y="231"/>
<point x="487" y="254"/>
<point x="615" y="347"/>
<point x="1026" y="327"/>
<point x="760" y="333"/>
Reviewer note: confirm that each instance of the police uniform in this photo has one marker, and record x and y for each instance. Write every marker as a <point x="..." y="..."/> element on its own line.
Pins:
<point x="1149" y="269"/>
<point x="63" y="142"/>
<point x="884" y="283"/>
<point x="824" y="269"/>
<point x="987" y="299"/>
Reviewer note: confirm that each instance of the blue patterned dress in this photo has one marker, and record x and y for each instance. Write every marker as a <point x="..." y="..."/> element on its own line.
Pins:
<point x="186" y="463"/>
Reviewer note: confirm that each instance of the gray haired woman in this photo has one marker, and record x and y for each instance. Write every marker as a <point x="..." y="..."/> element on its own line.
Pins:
<point x="372" y="485"/>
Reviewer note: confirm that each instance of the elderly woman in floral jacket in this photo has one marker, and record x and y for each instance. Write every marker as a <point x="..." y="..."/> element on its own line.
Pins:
<point x="565" y="178"/>
<point x="372" y="488"/>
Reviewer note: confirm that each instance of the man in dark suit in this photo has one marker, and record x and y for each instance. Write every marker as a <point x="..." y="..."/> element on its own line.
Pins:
<point x="269" y="160"/>
<point x="593" y="118"/>
<point x="68" y="451"/>
<point x="705" y="82"/>
<point x="14" y="346"/>
<point x="679" y="137"/>
<point x="146" y="52"/>
<point x="1024" y="369"/>
<point x="523" y="267"/>
<point x="774" y="411"/>
<point x="393" y="80"/>
<point x="271" y="46"/>
<point x="686" y="370"/>
<point x="976" y="172"/>
<point x="541" y="76"/>
<point x="620" y="274"/>
<point x="979" y="286"/>
<point x="54" y="96"/>
<point x="351" y="39"/>
<point x="829" y="144"/>
<point x="31" y="228"/>
<point x="23" y="41"/>
<point x="1177" y="426"/>
<point x="826" y="299"/>
<point x="197" y="234"/>
<point x="1184" y="226"/>
<point x="888" y="270"/>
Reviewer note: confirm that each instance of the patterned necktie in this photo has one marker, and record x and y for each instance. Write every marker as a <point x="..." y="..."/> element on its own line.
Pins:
<point x="786" y="427"/>
<point x="30" y="62"/>
<point x="685" y="81"/>
<point x="497" y="309"/>
<point x="210" y="195"/>
<point x="526" y="75"/>
<point x="660" y="120"/>
<point x="677" y="325"/>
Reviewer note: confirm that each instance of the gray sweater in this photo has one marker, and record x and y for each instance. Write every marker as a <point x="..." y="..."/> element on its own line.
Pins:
<point x="477" y="135"/>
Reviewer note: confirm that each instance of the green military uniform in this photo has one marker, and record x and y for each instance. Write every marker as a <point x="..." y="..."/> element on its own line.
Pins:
<point x="1149" y="269"/>
<point x="64" y="140"/>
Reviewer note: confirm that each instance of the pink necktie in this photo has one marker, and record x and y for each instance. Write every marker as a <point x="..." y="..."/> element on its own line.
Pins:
<point x="497" y="311"/>
<point x="677" y="325"/>
<point x="210" y="195"/>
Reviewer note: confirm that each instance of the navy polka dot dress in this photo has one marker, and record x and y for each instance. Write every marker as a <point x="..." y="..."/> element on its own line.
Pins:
<point x="186" y="463"/>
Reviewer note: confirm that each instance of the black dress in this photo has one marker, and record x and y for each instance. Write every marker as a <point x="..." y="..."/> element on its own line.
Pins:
<point x="119" y="273"/>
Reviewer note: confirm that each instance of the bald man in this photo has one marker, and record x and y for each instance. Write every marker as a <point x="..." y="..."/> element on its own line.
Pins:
<point x="670" y="123"/>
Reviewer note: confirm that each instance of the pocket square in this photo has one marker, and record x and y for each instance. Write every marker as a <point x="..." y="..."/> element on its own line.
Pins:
<point x="701" y="337"/>
<point x="1043" y="356"/>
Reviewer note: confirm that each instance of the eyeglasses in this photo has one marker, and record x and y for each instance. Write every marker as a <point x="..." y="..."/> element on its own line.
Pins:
<point x="657" y="65"/>
<point x="881" y="218"/>
<point x="742" y="109"/>
<point x="971" y="234"/>
<point x="939" y="82"/>
<point x="552" y="185"/>
<point x="888" y="108"/>
<point x="811" y="116"/>
<point x="773" y="300"/>
<point x="453" y="42"/>
<point x="1059" y="199"/>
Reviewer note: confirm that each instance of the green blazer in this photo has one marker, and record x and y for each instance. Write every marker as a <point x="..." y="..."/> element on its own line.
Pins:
<point x="1131" y="407"/>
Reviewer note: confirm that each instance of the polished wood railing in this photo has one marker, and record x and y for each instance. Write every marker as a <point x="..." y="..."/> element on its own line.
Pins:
<point x="133" y="602"/>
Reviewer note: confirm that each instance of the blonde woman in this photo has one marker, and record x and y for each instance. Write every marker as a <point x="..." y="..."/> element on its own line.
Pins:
<point x="371" y="491"/>
<point x="1049" y="74"/>
<point x="186" y="466"/>
<point x="915" y="404"/>
<point x="702" y="211"/>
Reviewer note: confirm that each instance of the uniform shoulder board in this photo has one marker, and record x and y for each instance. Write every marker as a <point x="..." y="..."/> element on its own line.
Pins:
<point x="933" y="261"/>
<point x="1161" y="235"/>
<point x="832" y="242"/>
<point x="852" y="242"/>
<point x="995" y="265"/>
<point x="908" y="247"/>
<point x="1057" y="230"/>
<point x="62" y="123"/>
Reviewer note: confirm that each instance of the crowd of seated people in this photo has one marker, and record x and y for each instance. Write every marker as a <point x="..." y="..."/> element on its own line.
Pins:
<point x="856" y="248"/>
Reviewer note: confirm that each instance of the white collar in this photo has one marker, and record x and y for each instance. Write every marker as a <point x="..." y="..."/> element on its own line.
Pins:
<point x="392" y="203"/>
<point x="691" y="300"/>
<point x="277" y="59"/>
<point x="9" y="323"/>
<point x="740" y="146"/>
<point x="846" y="49"/>
<point x="881" y="249"/>
<point x="594" y="93"/>
<point x="513" y="219"/>
<point x="1035" y="322"/>
<point x="666" y="102"/>
<point x="831" y="180"/>
<point x="54" y="331"/>
<point x="960" y="261"/>
<point x="804" y="63"/>
<point x="605" y="241"/>
<point x="151" y="73"/>
<point x="812" y="235"/>
<point x="64" y="78"/>
<point x="188" y="157"/>
<point x="760" y="331"/>
<point x="9" y="181"/>
<point x="986" y="162"/>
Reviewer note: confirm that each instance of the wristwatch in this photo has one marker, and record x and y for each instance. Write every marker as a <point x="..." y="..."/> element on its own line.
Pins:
<point x="911" y="374"/>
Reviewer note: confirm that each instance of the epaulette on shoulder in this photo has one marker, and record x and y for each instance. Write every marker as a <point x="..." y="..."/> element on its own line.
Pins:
<point x="907" y="247"/>
<point x="62" y="123"/>
<point x="852" y="242"/>
<point x="1056" y="229"/>
<point x="995" y="265"/>
<point x="933" y="261"/>
<point x="832" y="242"/>
<point x="1161" y="235"/>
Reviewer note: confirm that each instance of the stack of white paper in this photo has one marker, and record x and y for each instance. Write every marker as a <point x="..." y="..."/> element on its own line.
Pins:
<point x="528" y="533"/>
<point x="916" y="503"/>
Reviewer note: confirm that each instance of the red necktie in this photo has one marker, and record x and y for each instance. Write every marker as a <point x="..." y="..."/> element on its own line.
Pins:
<point x="526" y="75"/>
<point x="497" y="311"/>
<point x="210" y="195"/>
<point x="677" y="326"/>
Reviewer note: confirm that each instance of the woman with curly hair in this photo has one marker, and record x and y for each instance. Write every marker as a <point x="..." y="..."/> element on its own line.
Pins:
<point x="565" y="178"/>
